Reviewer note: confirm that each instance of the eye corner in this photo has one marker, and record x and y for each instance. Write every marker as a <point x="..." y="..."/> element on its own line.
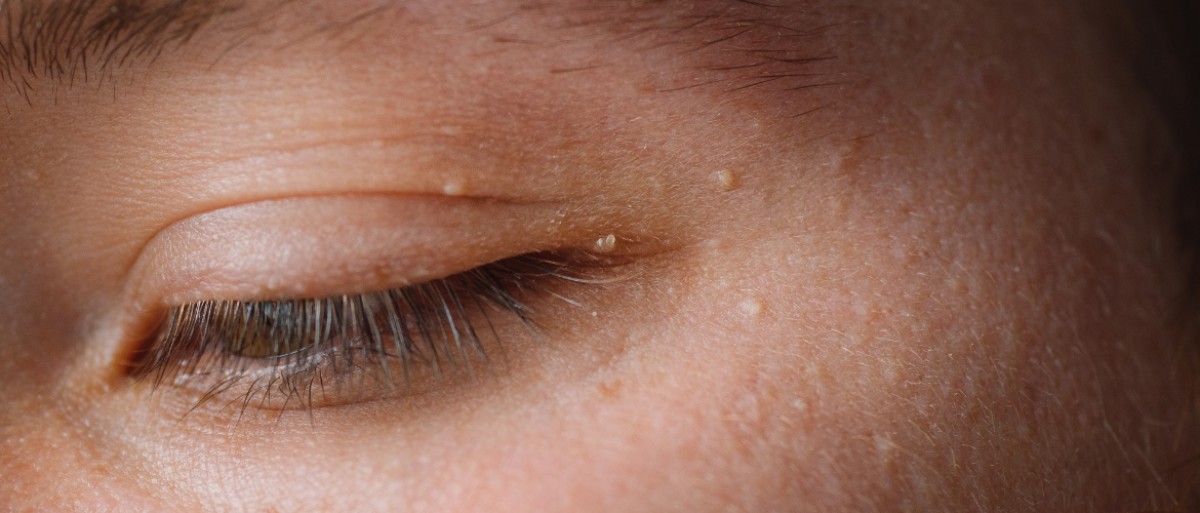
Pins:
<point x="133" y="332"/>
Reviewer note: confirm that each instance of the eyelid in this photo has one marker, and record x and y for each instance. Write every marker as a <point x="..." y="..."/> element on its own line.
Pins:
<point x="340" y="245"/>
<point x="337" y="340"/>
<point x="324" y="245"/>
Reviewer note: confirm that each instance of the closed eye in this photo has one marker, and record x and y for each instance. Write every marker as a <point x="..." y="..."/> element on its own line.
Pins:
<point x="308" y="353"/>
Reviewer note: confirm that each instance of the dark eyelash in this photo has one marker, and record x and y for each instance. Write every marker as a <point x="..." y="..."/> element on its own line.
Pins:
<point x="290" y="347"/>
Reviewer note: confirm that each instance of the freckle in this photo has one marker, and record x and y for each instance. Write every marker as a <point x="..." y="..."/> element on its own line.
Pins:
<point x="610" y="389"/>
<point x="752" y="307"/>
<point x="606" y="244"/>
<point x="837" y="205"/>
<point x="727" y="179"/>
<point x="454" y="188"/>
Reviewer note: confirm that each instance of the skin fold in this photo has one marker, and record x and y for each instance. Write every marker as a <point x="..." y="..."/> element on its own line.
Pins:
<point x="894" y="256"/>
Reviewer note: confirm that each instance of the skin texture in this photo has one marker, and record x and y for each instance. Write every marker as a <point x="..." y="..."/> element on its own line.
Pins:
<point x="923" y="267"/>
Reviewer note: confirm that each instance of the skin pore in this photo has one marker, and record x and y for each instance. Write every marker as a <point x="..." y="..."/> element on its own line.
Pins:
<point x="902" y="256"/>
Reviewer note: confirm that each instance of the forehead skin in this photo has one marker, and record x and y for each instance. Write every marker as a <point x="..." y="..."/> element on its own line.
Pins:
<point x="909" y="259"/>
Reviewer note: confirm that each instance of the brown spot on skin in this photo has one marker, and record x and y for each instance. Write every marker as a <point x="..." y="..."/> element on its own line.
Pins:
<point x="610" y="388"/>
<point x="850" y="162"/>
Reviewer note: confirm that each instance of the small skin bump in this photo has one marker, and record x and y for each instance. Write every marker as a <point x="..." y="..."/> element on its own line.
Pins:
<point x="454" y="188"/>
<point x="727" y="179"/>
<point x="752" y="307"/>
<point x="884" y="446"/>
<point x="955" y="285"/>
<point x="606" y="244"/>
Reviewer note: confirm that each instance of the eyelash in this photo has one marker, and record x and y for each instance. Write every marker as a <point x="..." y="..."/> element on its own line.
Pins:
<point x="293" y="350"/>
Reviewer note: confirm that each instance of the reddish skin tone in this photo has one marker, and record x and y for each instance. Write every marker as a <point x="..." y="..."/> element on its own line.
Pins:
<point x="946" y="289"/>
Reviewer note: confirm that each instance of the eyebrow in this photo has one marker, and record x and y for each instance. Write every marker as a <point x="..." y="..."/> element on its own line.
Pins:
<point x="68" y="40"/>
<point x="76" y="41"/>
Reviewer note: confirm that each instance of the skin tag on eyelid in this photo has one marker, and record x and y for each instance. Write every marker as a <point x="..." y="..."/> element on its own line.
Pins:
<point x="606" y="244"/>
<point x="727" y="179"/>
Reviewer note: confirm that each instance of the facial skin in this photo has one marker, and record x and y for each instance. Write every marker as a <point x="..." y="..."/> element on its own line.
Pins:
<point x="902" y="256"/>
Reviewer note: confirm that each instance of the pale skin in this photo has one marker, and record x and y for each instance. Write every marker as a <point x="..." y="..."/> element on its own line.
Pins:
<point x="926" y="274"/>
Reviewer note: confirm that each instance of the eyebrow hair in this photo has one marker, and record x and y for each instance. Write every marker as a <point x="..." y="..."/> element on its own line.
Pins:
<point x="748" y="43"/>
<point x="68" y="40"/>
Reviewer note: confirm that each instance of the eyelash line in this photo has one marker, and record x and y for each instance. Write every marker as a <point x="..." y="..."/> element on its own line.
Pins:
<point x="293" y="346"/>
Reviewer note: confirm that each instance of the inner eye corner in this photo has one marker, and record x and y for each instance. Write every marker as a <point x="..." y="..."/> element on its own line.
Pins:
<point x="137" y="355"/>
